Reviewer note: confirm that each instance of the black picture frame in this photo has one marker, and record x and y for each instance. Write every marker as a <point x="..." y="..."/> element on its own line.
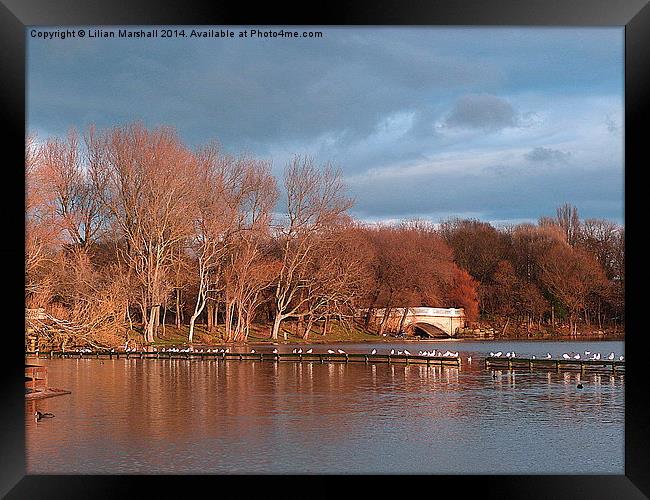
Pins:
<point x="16" y="15"/>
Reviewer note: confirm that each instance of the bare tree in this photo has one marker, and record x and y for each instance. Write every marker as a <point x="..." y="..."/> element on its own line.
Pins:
<point x="315" y="201"/>
<point x="145" y="181"/>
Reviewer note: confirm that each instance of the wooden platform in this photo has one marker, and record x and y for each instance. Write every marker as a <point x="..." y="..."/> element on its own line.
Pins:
<point x="280" y="357"/>
<point x="50" y="392"/>
<point x="36" y="386"/>
<point x="554" y="364"/>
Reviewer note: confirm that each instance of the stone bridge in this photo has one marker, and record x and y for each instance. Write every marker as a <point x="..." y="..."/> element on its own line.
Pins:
<point x="425" y="321"/>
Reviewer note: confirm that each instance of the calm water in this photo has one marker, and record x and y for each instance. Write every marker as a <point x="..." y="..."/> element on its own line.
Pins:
<point x="187" y="416"/>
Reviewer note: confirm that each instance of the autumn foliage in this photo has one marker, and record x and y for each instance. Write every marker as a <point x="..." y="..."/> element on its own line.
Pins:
<point x="129" y="230"/>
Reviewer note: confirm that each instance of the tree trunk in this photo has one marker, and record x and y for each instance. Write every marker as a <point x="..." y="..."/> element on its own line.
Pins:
<point x="210" y="314"/>
<point x="401" y="322"/>
<point x="384" y="321"/>
<point x="153" y="323"/>
<point x="276" y="326"/>
<point x="553" y="317"/>
<point x="178" y="308"/>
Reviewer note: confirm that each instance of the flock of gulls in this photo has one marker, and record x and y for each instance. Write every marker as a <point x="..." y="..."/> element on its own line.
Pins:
<point x="588" y="355"/>
<point x="596" y="356"/>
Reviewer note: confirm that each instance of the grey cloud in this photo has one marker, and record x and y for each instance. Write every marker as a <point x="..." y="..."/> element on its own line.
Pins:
<point x="482" y="111"/>
<point x="527" y="194"/>
<point x="547" y="155"/>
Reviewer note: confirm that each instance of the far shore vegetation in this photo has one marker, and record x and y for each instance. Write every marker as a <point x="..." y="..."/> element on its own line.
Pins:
<point x="132" y="236"/>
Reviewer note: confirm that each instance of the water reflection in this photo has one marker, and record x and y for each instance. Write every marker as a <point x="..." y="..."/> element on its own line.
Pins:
<point x="211" y="416"/>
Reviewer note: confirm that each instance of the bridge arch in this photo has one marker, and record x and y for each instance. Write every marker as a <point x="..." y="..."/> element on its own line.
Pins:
<point x="426" y="329"/>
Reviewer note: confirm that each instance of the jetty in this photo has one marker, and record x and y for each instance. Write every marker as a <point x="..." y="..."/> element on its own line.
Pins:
<point x="554" y="364"/>
<point x="258" y="356"/>
<point x="36" y="385"/>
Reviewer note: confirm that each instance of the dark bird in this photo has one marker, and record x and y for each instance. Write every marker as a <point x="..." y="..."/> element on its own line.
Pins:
<point x="38" y="415"/>
<point x="579" y="386"/>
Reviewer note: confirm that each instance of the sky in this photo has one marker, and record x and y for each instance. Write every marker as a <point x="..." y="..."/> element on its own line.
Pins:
<point x="498" y="124"/>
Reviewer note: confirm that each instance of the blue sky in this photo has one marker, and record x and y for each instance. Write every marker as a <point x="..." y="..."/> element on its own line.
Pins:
<point x="500" y="124"/>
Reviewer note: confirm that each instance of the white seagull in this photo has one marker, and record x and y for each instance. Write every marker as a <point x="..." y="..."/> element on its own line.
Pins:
<point x="566" y="356"/>
<point x="611" y="356"/>
<point x="252" y="351"/>
<point x="309" y="351"/>
<point x="329" y="351"/>
<point x="548" y="355"/>
<point x="498" y="354"/>
<point x="392" y="351"/>
<point x="577" y="356"/>
<point x="275" y="351"/>
<point x="300" y="351"/>
<point x="374" y="351"/>
<point x="620" y="358"/>
<point x="341" y="351"/>
<point x="406" y="352"/>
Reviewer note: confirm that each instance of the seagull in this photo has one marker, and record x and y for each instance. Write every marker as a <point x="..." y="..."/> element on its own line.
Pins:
<point x="300" y="351"/>
<point x="611" y="356"/>
<point x="309" y="351"/>
<point x="374" y="351"/>
<point x="587" y="353"/>
<point x="329" y="351"/>
<point x="406" y="352"/>
<point x="579" y="386"/>
<point x="491" y="354"/>
<point x="275" y="351"/>
<point x="534" y="357"/>
<point x="498" y="354"/>
<point x="566" y="356"/>
<point x="469" y="359"/>
<point x="399" y="353"/>
<point x="507" y="355"/>
<point x="548" y="355"/>
<point x="577" y="356"/>
<point x="341" y="351"/>
<point x="392" y="351"/>
<point x="295" y="351"/>
<point x="252" y="351"/>
<point x="620" y="358"/>
<point x="513" y="354"/>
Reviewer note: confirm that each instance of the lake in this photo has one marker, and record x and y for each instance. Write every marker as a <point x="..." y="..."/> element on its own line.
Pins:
<point x="132" y="416"/>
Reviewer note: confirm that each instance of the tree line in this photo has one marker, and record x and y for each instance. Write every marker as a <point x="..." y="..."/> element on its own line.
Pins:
<point x="129" y="230"/>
